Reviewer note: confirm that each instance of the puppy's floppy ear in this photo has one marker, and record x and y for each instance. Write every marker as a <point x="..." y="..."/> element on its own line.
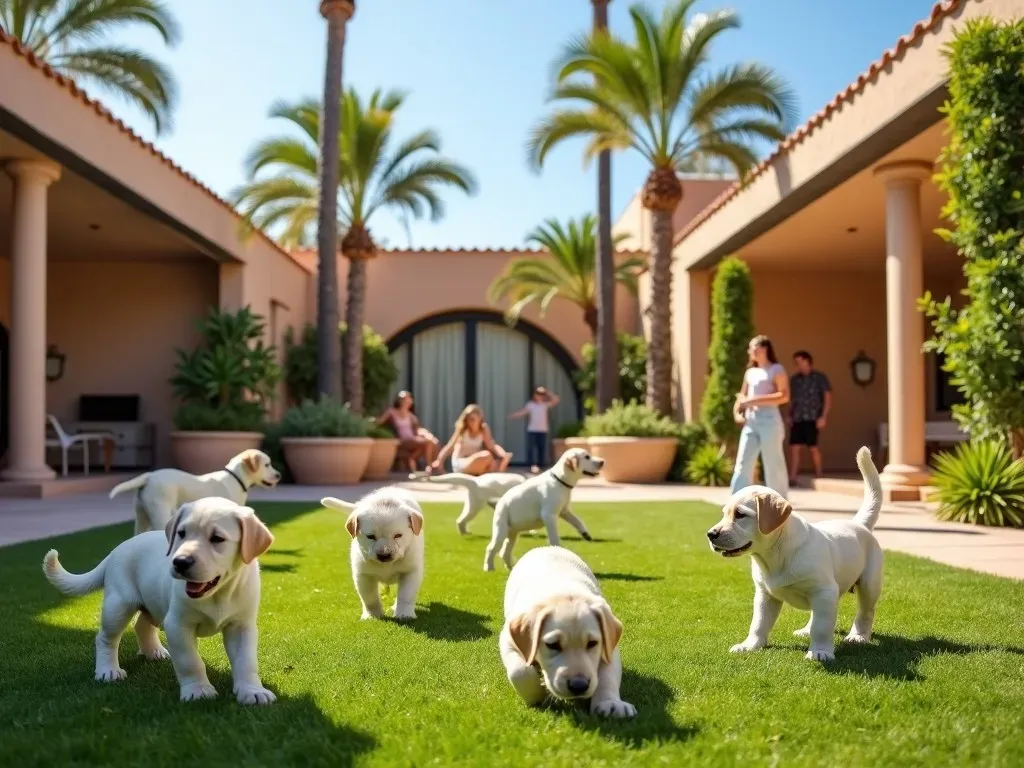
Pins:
<point x="772" y="511"/>
<point x="172" y="526"/>
<point x="525" y="631"/>
<point x="415" y="521"/>
<point x="352" y="525"/>
<point x="256" y="537"/>
<point x="251" y="462"/>
<point x="572" y="463"/>
<point x="611" y="630"/>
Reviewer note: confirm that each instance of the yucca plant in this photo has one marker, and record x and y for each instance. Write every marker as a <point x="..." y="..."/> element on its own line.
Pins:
<point x="709" y="466"/>
<point x="980" y="483"/>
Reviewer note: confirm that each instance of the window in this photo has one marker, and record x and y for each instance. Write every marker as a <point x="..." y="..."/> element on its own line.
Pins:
<point x="946" y="394"/>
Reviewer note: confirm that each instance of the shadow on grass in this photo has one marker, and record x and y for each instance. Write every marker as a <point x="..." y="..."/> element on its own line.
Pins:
<point x="626" y="577"/>
<point x="278" y="567"/>
<point x="897" y="658"/>
<point x="442" y="622"/>
<point x="652" y="698"/>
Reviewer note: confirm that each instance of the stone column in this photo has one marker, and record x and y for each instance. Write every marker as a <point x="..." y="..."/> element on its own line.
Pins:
<point x="27" y="452"/>
<point x="693" y="295"/>
<point x="906" y="469"/>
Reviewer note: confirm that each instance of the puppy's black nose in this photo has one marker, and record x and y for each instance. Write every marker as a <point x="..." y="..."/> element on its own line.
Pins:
<point x="384" y="557"/>
<point x="183" y="562"/>
<point x="578" y="685"/>
<point x="713" y="534"/>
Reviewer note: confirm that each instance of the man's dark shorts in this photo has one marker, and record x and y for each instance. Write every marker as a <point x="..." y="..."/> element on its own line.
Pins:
<point x="804" y="433"/>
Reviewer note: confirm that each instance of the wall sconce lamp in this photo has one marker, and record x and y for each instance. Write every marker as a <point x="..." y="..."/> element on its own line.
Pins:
<point x="862" y="369"/>
<point x="54" y="363"/>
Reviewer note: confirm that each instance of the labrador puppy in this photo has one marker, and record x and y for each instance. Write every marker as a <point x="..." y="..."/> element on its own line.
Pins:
<point x="808" y="566"/>
<point x="480" y="491"/>
<point x="386" y="527"/>
<point x="540" y="501"/>
<point x="197" y="578"/>
<point x="560" y="633"/>
<point x="160" y="493"/>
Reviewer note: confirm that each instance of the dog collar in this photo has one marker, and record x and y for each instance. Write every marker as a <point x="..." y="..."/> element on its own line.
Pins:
<point x="237" y="479"/>
<point x="560" y="480"/>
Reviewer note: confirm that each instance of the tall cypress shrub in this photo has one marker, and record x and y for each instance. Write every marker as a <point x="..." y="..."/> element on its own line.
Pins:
<point x="732" y="327"/>
<point x="983" y="174"/>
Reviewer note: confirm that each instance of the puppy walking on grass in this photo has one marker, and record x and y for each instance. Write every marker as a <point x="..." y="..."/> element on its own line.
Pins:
<point x="809" y="566"/>
<point x="480" y="491"/>
<point x="386" y="527"/>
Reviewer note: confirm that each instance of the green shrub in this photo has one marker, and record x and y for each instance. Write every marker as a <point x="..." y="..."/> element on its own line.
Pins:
<point x="709" y="466"/>
<point x="629" y="420"/>
<point x="983" y="175"/>
<point x="980" y="483"/>
<point x="229" y="379"/>
<point x="378" y="432"/>
<point x="568" y="429"/>
<point x="379" y="370"/>
<point x="322" y="418"/>
<point x="632" y="371"/>
<point x="732" y="328"/>
<point x="691" y="437"/>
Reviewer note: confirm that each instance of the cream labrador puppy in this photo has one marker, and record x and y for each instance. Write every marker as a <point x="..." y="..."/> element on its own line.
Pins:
<point x="161" y="492"/>
<point x="540" y="501"/>
<point x="480" y="491"/>
<point x="195" y="579"/>
<point x="808" y="566"/>
<point x="560" y="633"/>
<point x="386" y="527"/>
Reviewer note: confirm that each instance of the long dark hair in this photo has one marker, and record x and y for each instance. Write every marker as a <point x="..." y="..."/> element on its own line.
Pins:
<point x="764" y="343"/>
<point x="400" y="397"/>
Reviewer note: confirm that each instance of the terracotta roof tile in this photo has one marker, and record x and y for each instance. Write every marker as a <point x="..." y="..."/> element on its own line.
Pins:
<point x="939" y="11"/>
<point x="475" y="251"/>
<point x="75" y="90"/>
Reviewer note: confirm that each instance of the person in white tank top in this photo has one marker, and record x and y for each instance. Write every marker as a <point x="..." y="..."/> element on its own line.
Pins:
<point x="536" y="413"/>
<point x="472" y="447"/>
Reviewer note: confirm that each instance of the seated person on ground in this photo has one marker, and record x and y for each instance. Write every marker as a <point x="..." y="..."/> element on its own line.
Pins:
<point x="472" y="447"/>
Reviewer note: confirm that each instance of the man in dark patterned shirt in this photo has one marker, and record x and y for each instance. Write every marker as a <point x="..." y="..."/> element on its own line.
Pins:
<point x="810" y="400"/>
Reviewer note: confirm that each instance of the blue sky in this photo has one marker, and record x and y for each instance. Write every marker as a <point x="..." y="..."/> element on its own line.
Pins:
<point x="477" y="71"/>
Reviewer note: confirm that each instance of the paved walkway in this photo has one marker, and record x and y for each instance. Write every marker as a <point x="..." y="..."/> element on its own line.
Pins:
<point x="902" y="527"/>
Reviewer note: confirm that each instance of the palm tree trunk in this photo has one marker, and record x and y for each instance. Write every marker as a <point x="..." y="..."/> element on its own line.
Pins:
<point x="355" y="310"/>
<point x="337" y="13"/>
<point x="659" y="352"/>
<point x="606" y="346"/>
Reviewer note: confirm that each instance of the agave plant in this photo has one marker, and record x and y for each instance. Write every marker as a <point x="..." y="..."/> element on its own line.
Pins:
<point x="980" y="483"/>
<point x="709" y="466"/>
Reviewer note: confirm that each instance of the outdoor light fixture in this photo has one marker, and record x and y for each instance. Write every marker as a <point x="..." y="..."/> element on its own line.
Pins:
<point x="54" y="363"/>
<point x="863" y="369"/>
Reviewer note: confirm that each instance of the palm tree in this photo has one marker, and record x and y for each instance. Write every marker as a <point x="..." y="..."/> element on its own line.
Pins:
<point x="606" y="345"/>
<point x="658" y="96"/>
<point x="328" y="379"/>
<point x="70" y="36"/>
<point x="406" y="178"/>
<point x="569" y="273"/>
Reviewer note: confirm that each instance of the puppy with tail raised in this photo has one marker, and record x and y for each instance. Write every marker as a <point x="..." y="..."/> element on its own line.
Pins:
<point x="480" y="491"/>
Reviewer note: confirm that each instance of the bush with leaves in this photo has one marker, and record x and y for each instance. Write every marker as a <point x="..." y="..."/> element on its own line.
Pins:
<point x="710" y="466"/>
<point x="983" y="175"/>
<point x="379" y="370"/>
<point x="632" y="371"/>
<point x="229" y="379"/>
<point x="732" y="328"/>
<point x="568" y="429"/>
<point x="692" y="437"/>
<point x="629" y="420"/>
<point x="980" y="483"/>
<point x="322" y="418"/>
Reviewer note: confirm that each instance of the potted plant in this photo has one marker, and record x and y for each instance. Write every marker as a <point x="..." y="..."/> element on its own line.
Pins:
<point x="325" y="443"/>
<point x="567" y="436"/>
<point x="224" y="386"/>
<point x="637" y="444"/>
<point x="382" y="454"/>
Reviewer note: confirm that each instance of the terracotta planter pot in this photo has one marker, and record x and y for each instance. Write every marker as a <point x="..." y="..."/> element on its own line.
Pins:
<point x="634" y="459"/>
<point x="327" y="460"/>
<point x="382" y="458"/>
<point x="558" y="447"/>
<point x="576" y="442"/>
<point x="202" y="452"/>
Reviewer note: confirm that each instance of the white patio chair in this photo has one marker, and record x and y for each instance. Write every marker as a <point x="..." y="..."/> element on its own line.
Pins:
<point x="66" y="442"/>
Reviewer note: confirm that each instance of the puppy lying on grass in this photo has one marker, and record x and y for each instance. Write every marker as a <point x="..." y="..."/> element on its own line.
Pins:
<point x="386" y="527"/>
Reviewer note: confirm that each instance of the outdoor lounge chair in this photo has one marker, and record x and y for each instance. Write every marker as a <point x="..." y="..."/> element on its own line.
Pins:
<point x="66" y="442"/>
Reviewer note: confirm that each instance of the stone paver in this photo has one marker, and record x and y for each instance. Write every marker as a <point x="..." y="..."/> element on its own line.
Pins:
<point x="902" y="527"/>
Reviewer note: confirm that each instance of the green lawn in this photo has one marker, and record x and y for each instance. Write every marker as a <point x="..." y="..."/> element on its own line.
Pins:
<point x="942" y="684"/>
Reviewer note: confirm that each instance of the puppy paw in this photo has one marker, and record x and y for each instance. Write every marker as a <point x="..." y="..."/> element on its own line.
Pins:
<point x="820" y="655"/>
<point x="488" y="567"/>
<point x="463" y="531"/>
<point x="613" y="708"/>
<point x="197" y="691"/>
<point x="586" y="536"/>
<point x="802" y="632"/>
<point x="252" y="695"/>
<point x="367" y="614"/>
<point x="856" y="639"/>
<point x="156" y="654"/>
<point x="405" y="612"/>
<point x="748" y="645"/>
<point x="110" y="675"/>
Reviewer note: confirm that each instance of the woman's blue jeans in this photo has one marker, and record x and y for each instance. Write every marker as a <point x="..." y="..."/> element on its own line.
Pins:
<point x="764" y="434"/>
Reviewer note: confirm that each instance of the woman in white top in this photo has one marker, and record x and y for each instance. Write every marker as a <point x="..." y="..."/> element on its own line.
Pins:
<point x="472" y="447"/>
<point x="765" y="388"/>
<point x="536" y="411"/>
